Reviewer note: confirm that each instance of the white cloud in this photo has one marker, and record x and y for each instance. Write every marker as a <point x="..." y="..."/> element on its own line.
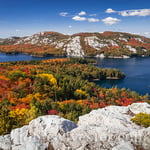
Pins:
<point x="93" y="20"/>
<point x="63" y="14"/>
<point x="82" y="13"/>
<point x="78" y="18"/>
<point x="110" y="21"/>
<point x="138" y="12"/>
<point x="109" y="10"/>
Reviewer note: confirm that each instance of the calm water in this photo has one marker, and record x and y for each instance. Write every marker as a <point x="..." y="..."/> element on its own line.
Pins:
<point x="137" y="71"/>
<point x="19" y="57"/>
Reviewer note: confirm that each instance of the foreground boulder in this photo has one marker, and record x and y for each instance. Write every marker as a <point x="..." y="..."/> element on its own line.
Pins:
<point x="108" y="128"/>
<point x="37" y="135"/>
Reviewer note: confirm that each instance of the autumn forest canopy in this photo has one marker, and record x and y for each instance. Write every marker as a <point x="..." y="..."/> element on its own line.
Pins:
<point x="63" y="86"/>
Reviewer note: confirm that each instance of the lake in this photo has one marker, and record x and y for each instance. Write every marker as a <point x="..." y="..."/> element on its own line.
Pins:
<point x="137" y="73"/>
<point x="136" y="70"/>
<point x="20" y="57"/>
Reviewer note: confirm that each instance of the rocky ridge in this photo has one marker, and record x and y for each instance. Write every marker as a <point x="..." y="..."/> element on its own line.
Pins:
<point x="108" y="128"/>
<point x="107" y="44"/>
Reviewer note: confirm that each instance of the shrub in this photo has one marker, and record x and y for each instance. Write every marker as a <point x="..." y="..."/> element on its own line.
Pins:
<point x="142" y="119"/>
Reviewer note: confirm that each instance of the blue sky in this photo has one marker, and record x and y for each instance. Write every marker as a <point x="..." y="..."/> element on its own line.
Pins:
<point x="26" y="17"/>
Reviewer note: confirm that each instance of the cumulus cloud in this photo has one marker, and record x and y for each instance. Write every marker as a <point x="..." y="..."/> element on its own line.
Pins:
<point x="138" y="12"/>
<point x="93" y="20"/>
<point x="109" y="10"/>
<point x="78" y="18"/>
<point x="82" y="13"/>
<point x="63" y="14"/>
<point x="110" y="21"/>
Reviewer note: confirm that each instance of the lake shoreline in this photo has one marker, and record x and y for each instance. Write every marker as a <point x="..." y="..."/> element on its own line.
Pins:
<point x="136" y="70"/>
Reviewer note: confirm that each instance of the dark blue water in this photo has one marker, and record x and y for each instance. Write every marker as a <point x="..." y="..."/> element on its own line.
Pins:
<point x="19" y="57"/>
<point x="137" y="71"/>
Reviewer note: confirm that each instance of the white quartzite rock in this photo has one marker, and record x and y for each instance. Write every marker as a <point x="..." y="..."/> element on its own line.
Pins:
<point x="138" y="107"/>
<point x="124" y="146"/>
<point x="108" y="128"/>
<point x="48" y="127"/>
<point x="37" y="135"/>
<point x="73" y="47"/>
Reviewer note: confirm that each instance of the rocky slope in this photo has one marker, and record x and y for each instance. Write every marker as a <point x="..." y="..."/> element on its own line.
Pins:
<point x="107" y="44"/>
<point x="108" y="128"/>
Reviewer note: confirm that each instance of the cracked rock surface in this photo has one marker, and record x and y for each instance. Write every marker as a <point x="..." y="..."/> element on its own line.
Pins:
<point x="108" y="128"/>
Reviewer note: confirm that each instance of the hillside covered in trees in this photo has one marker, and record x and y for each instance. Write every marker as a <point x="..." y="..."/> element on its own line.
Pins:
<point x="107" y="44"/>
<point x="57" y="86"/>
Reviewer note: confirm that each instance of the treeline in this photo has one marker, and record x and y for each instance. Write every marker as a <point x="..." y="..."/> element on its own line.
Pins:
<point x="58" y="86"/>
<point x="34" y="50"/>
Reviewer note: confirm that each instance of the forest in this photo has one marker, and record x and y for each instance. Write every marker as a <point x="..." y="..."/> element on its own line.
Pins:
<point x="33" y="50"/>
<point x="63" y="87"/>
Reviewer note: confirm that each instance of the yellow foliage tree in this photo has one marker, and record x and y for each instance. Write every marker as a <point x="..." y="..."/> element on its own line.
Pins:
<point x="32" y="114"/>
<point x="19" y="116"/>
<point x="49" y="77"/>
<point x="80" y="93"/>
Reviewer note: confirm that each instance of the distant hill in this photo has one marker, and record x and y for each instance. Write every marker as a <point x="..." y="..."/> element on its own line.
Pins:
<point x="106" y="44"/>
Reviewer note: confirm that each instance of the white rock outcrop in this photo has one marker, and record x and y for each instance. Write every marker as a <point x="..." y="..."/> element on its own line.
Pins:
<point x="130" y="48"/>
<point x="76" y="45"/>
<point x="94" y="42"/>
<point x="37" y="135"/>
<point x="73" y="47"/>
<point x="100" y="55"/>
<point x="108" y="128"/>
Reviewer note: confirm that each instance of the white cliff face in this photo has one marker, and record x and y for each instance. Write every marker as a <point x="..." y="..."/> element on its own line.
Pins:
<point x="35" y="39"/>
<point x="97" y="43"/>
<point x="108" y="128"/>
<point x="93" y="42"/>
<point x="60" y="44"/>
<point x="139" y="39"/>
<point x="73" y="47"/>
<point x="130" y="48"/>
<point x="123" y="39"/>
<point x="111" y="42"/>
<point x="29" y="40"/>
